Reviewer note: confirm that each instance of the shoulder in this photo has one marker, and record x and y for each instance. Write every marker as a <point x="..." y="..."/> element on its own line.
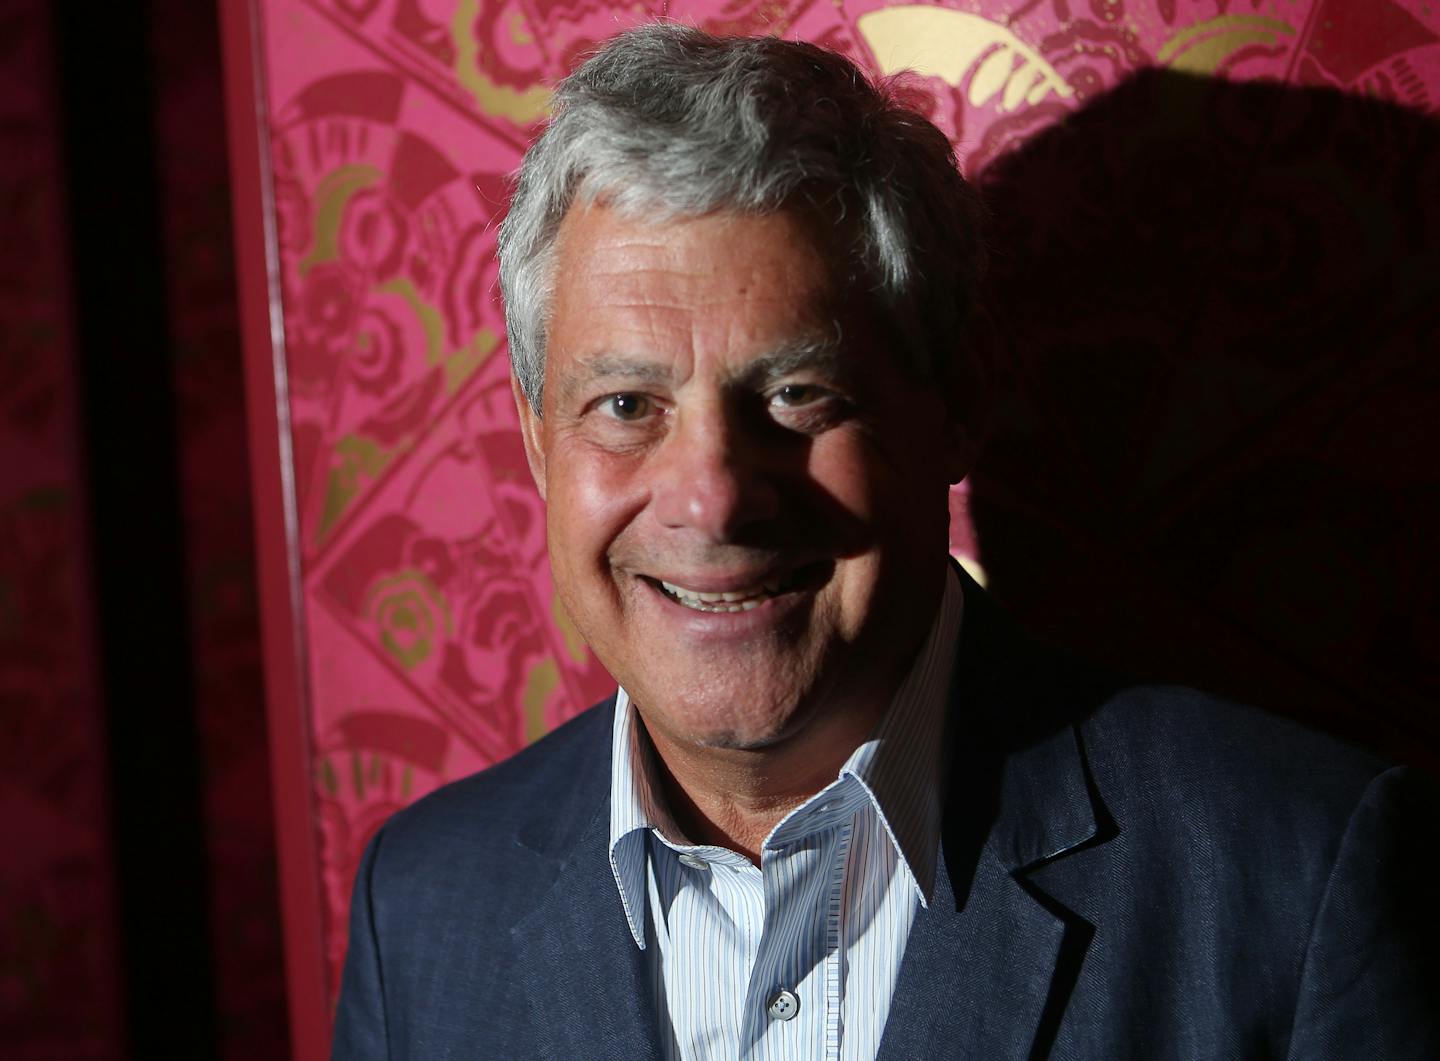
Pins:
<point x="1196" y="746"/>
<point x="576" y="750"/>
<point x="445" y="882"/>
<point x="1240" y="833"/>
<point x="490" y="817"/>
<point x="1221" y="784"/>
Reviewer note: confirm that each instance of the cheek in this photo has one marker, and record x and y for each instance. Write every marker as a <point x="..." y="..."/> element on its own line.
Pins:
<point x="592" y="499"/>
<point x="885" y="498"/>
<point x="850" y="480"/>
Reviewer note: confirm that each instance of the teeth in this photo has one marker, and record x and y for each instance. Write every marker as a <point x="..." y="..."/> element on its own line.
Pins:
<point x="724" y="601"/>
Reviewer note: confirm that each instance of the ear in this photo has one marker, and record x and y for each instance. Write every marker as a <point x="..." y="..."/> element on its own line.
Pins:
<point x="960" y="451"/>
<point x="532" y="430"/>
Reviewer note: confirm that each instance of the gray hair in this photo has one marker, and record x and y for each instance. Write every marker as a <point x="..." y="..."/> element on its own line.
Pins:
<point x="668" y="121"/>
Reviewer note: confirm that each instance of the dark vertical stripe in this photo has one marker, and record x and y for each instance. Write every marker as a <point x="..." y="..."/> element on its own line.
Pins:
<point x="129" y="426"/>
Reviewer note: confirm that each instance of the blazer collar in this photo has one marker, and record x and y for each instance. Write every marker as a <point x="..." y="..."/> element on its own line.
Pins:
<point x="1018" y="770"/>
<point x="992" y="963"/>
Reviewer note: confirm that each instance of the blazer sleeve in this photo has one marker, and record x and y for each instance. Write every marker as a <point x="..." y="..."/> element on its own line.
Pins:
<point x="360" y="1033"/>
<point x="1371" y="981"/>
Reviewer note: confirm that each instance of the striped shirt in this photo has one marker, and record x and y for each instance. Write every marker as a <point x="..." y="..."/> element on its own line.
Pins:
<point x="796" y="958"/>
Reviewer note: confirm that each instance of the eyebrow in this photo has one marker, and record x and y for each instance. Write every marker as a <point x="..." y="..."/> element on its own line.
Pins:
<point x="599" y="367"/>
<point x="815" y="353"/>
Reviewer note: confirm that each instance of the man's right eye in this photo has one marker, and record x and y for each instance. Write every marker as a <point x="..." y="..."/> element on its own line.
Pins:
<point x="626" y="406"/>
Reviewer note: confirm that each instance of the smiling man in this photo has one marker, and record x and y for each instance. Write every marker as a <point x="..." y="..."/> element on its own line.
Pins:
<point x="838" y="807"/>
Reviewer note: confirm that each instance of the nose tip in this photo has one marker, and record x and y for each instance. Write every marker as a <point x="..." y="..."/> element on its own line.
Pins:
<point x="721" y="502"/>
<point x="714" y="481"/>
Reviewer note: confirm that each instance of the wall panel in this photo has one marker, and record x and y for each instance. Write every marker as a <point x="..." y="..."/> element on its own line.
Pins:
<point x="421" y="635"/>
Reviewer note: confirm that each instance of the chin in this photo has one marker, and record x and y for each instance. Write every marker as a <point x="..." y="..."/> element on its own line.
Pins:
<point x="737" y="740"/>
<point x="759" y="729"/>
<point x="705" y="714"/>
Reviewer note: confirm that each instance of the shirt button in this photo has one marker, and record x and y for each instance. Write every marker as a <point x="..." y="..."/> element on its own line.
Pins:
<point x="694" y="862"/>
<point x="784" y="1005"/>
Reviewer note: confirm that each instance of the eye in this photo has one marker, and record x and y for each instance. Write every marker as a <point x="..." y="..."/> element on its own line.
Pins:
<point x="627" y="407"/>
<point x="795" y="394"/>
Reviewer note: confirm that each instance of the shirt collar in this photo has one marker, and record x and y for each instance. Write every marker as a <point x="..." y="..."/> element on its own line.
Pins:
<point x="898" y="770"/>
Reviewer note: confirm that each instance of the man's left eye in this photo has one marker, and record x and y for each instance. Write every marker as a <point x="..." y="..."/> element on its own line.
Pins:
<point x="794" y="394"/>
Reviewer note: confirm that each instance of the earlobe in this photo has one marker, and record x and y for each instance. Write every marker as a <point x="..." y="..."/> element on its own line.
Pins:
<point x="532" y="432"/>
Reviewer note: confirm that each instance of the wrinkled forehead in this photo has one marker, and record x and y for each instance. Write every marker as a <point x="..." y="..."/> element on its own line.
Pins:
<point x="755" y="291"/>
<point x="727" y="253"/>
<point x="778" y="244"/>
<point x="829" y="216"/>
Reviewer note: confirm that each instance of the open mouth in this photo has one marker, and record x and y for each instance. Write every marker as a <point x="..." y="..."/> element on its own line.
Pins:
<point x="736" y="600"/>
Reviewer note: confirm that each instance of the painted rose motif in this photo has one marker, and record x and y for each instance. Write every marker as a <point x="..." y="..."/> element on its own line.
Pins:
<point x="324" y="326"/>
<point x="409" y="614"/>
<point x="374" y="362"/>
<point x="374" y="234"/>
<point x="498" y="61"/>
<point x="499" y="643"/>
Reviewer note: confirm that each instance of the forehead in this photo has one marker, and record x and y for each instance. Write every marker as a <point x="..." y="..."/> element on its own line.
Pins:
<point x="718" y="273"/>
<point x="722" y="245"/>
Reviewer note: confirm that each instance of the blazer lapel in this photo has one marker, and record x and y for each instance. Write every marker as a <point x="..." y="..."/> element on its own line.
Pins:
<point x="975" y="980"/>
<point x="990" y="965"/>
<point x="580" y="984"/>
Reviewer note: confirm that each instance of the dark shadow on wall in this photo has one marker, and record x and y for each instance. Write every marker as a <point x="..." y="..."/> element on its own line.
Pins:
<point x="1216" y="456"/>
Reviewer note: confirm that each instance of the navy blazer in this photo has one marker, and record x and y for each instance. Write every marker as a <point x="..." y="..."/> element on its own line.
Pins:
<point x="1127" y="872"/>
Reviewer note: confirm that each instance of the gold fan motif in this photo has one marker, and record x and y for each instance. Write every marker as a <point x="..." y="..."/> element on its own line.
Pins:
<point x="1200" y="49"/>
<point x="950" y="45"/>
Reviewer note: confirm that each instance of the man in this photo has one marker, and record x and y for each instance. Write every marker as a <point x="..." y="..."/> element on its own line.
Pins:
<point x="838" y="808"/>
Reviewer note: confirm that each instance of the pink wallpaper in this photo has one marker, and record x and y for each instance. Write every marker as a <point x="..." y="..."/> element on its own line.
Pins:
<point x="433" y="642"/>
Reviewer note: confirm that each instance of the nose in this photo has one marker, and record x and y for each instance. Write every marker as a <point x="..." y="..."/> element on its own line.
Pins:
<point x="714" y="475"/>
